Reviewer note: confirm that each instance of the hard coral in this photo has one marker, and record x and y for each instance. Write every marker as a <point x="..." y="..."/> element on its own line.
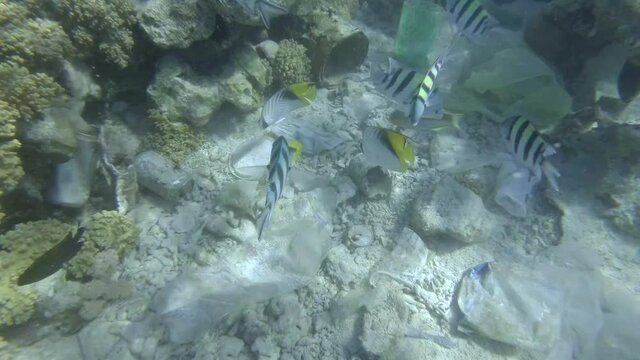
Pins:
<point x="28" y="93"/>
<point x="104" y="231"/>
<point x="20" y="247"/>
<point x="291" y="64"/>
<point x="173" y="140"/>
<point x="10" y="164"/>
<point x="100" y="27"/>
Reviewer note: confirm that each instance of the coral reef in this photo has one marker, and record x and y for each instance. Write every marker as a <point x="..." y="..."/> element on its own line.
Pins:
<point x="291" y="64"/>
<point x="29" y="93"/>
<point x="171" y="24"/>
<point x="37" y="41"/>
<point x="10" y="164"/>
<point x="20" y="247"/>
<point x="173" y="140"/>
<point x="100" y="28"/>
<point x="105" y="231"/>
<point x="182" y="94"/>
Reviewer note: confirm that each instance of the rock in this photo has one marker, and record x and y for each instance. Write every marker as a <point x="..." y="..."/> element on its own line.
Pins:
<point x="172" y="24"/>
<point x="119" y="141"/>
<point x="384" y="322"/>
<point x="102" y="340"/>
<point x="360" y="235"/>
<point x="158" y="175"/>
<point x="181" y="94"/>
<point x="341" y="267"/>
<point x="372" y="181"/>
<point x="451" y="211"/>
<point x="620" y="190"/>
<point x="230" y="347"/>
<point x="292" y="322"/>
<point x="267" y="49"/>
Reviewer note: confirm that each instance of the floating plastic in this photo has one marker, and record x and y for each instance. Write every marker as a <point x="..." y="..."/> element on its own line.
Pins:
<point x="514" y="185"/>
<point x="418" y="30"/>
<point x="250" y="159"/>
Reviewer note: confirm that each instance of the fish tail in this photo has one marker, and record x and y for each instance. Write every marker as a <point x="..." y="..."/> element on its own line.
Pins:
<point x="268" y="10"/>
<point x="264" y="220"/>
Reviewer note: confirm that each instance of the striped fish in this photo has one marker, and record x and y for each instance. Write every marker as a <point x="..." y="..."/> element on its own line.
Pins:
<point x="387" y="148"/>
<point x="470" y="17"/>
<point x="422" y="99"/>
<point x="529" y="148"/>
<point x="286" y="100"/>
<point x="399" y="82"/>
<point x="283" y="155"/>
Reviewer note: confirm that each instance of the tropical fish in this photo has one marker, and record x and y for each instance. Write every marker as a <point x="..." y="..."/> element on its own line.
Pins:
<point x="422" y="98"/>
<point x="529" y="148"/>
<point x="314" y="139"/>
<point x="387" y="148"/>
<point x="283" y="155"/>
<point x="470" y="17"/>
<point x="53" y="260"/>
<point x="286" y="100"/>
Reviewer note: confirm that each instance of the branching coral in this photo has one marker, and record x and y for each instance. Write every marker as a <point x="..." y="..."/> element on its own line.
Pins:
<point x="26" y="92"/>
<point x="291" y="64"/>
<point x="10" y="164"/>
<point x="172" y="140"/>
<point x="99" y="27"/>
<point x="104" y="231"/>
<point x="21" y="246"/>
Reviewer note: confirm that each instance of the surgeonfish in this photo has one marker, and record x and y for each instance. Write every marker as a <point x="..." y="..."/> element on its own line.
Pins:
<point x="422" y="99"/>
<point x="286" y="100"/>
<point x="53" y="260"/>
<point x="529" y="148"/>
<point x="470" y="17"/>
<point x="387" y="148"/>
<point x="283" y="155"/>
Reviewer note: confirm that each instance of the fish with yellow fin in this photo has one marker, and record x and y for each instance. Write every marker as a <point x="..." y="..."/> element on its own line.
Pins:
<point x="387" y="148"/>
<point x="286" y="100"/>
<point x="283" y="155"/>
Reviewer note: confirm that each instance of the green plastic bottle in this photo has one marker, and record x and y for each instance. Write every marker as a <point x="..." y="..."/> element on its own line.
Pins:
<point x="420" y="24"/>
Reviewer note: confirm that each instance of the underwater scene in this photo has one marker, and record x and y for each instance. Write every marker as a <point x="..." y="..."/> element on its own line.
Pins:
<point x="319" y="179"/>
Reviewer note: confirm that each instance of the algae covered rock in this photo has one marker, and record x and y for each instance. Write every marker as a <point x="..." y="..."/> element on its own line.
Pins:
<point x="19" y="248"/>
<point x="173" y="140"/>
<point x="171" y="24"/>
<point x="104" y="231"/>
<point x="451" y="212"/>
<point x="291" y="64"/>
<point x="159" y="175"/>
<point x="182" y="94"/>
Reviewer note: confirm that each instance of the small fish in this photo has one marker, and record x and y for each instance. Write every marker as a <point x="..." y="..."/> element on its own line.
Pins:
<point x="387" y="148"/>
<point x="422" y="99"/>
<point x="529" y="148"/>
<point x="398" y="82"/>
<point x="470" y="17"/>
<point x="279" y="166"/>
<point x="286" y="100"/>
<point x="53" y="260"/>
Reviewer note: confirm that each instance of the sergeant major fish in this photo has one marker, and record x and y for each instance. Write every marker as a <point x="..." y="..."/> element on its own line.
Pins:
<point x="423" y="97"/>
<point x="283" y="154"/>
<point x="529" y="148"/>
<point x="470" y="17"/>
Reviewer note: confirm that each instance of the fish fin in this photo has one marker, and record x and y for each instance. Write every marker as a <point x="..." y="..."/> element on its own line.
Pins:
<point x="305" y="92"/>
<point x="268" y="10"/>
<point x="297" y="147"/>
<point x="263" y="220"/>
<point x="551" y="173"/>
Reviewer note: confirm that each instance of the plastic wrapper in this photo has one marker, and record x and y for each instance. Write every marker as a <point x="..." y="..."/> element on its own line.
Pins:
<point x="199" y="300"/>
<point x="514" y="185"/>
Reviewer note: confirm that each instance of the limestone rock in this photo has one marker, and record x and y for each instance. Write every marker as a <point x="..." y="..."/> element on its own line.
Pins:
<point x="451" y="211"/>
<point x="158" y="174"/>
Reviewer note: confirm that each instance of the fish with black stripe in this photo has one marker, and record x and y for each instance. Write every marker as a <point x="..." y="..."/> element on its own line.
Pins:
<point x="283" y="154"/>
<point x="529" y="148"/>
<point x="387" y="148"/>
<point x="400" y="84"/>
<point x="424" y="95"/>
<point x="471" y="18"/>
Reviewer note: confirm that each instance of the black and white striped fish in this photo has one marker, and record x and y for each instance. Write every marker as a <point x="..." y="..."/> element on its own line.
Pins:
<point x="400" y="83"/>
<point x="283" y="155"/>
<point x="423" y="97"/>
<point x="529" y="148"/>
<point x="470" y="17"/>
